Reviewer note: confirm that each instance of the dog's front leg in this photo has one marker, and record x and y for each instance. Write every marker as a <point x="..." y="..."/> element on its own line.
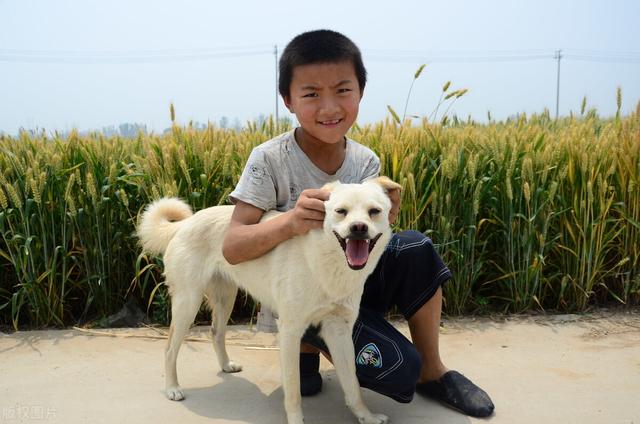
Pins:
<point x="336" y="332"/>
<point x="290" y="334"/>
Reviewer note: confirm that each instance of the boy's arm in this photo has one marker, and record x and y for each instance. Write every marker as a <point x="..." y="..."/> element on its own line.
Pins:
<point x="247" y="238"/>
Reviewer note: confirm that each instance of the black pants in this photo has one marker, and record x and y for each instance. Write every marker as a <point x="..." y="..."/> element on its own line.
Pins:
<point x="408" y="274"/>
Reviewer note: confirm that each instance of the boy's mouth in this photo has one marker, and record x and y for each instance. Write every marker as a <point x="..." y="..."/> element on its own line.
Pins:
<point x="330" y="123"/>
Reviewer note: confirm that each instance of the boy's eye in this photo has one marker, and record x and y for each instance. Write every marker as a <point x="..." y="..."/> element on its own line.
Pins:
<point x="344" y="90"/>
<point x="310" y="95"/>
<point x="374" y="211"/>
<point x="341" y="211"/>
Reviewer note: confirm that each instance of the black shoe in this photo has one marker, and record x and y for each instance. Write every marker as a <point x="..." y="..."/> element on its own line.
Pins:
<point x="458" y="392"/>
<point x="310" y="379"/>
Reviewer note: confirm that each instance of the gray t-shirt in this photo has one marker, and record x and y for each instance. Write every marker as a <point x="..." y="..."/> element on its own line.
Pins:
<point x="277" y="171"/>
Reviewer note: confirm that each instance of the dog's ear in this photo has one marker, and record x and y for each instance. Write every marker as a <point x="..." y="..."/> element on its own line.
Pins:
<point x="331" y="186"/>
<point x="386" y="183"/>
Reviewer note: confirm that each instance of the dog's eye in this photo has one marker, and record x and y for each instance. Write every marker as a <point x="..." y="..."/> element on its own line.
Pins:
<point x="374" y="211"/>
<point x="341" y="211"/>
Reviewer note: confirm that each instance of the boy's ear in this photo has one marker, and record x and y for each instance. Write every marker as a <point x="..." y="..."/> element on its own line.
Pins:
<point x="331" y="186"/>
<point x="287" y="102"/>
<point x="386" y="183"/>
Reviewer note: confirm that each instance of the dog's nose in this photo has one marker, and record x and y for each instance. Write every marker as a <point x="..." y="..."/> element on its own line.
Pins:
<point x="359" y="229"/>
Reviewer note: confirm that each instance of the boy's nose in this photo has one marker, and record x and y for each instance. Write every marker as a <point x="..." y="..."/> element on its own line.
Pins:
<point x="329" y="105"/>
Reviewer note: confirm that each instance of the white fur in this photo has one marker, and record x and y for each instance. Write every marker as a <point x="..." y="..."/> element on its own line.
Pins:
<point x="305" y="280"/>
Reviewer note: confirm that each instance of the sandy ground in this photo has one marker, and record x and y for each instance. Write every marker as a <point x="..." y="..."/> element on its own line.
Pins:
<point x="560" y="369"/>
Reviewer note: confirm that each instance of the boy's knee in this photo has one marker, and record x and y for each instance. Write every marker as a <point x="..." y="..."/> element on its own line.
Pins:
<point x="403" y="379"/>
<point x="413" y="244"/>
<point x="412" y="235"/>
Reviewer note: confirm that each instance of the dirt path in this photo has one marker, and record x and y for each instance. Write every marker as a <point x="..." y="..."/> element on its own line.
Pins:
<point x="560" y="369"/>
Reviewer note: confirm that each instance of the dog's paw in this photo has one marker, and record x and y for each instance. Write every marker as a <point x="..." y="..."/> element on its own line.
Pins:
<point x="175" y="393"/>
<point x="232" y="367"/>
<point x="374" y="419"/>
<point x="295" y="418"/>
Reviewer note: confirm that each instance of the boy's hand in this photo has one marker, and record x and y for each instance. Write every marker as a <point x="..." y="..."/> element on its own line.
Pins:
<point x="308" y="212"/>
<point x="394" y="196"/>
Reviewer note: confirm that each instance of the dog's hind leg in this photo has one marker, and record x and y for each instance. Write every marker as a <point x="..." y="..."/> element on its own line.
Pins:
<point x="184" y="307"/>
<point x="221" y="295"/>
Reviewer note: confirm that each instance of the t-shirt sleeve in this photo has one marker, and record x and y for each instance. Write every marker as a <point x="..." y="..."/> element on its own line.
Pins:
<point x="256" y="185"/>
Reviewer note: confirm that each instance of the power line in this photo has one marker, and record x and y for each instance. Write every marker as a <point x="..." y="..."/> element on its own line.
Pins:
<point x="500" y="56"/>
<point x="453" y="59"/>
<point x="195" y="54"/>
<point x="124" y="57"/>
<point x="456" y="52"/>
<point x="604" y="59"/>
<point x="604" y="52"/>
<point x="124" y="60"/>
<point x="134" y="52"/>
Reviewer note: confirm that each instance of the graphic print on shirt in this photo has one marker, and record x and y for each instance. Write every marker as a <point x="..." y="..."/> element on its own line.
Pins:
<point x="258" y="173"/>
<point x="370" y="355"/>
<point x="294" y="192"/>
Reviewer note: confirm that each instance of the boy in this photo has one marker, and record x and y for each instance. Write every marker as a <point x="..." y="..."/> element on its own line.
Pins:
<point x="322" y="79"/>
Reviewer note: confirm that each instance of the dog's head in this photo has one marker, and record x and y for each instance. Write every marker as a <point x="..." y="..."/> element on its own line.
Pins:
<point x="358" y="216"/>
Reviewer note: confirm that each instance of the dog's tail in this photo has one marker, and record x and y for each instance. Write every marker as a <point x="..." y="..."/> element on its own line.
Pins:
<point x="159" y="223"/>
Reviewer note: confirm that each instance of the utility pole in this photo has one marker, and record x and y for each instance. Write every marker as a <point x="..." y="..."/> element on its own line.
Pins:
<point x="275" y="54"/>
<point x="558" y="56"/>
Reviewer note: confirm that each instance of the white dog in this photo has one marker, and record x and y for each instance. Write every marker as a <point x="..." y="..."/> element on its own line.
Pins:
<point x="317" y="278"/>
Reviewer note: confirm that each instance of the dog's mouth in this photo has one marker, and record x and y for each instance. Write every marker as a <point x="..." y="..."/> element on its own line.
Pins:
<point x="357" y="249"/>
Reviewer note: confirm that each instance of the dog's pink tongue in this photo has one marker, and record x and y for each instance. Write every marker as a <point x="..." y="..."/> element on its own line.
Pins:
<point x="357" y="252"/>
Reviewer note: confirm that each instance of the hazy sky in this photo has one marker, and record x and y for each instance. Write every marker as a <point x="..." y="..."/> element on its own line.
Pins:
<point x="90" y="63"/>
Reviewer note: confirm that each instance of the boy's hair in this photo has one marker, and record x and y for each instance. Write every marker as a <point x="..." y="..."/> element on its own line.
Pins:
<point x="320" y="46"/>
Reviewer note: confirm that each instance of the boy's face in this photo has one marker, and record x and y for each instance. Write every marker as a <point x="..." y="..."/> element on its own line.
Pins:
<point x="325" y="98"/>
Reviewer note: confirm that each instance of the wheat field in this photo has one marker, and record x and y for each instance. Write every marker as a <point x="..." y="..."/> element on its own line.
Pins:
<point x="529" y="213"/>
